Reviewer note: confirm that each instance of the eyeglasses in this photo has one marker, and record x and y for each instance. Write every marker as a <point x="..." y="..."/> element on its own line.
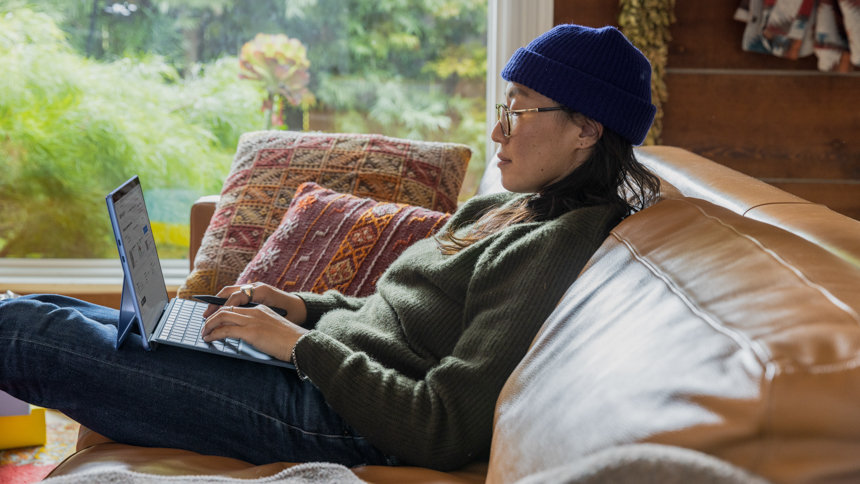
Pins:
<point x="503" y="115"/>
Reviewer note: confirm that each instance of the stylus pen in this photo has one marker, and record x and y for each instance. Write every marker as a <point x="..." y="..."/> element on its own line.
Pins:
<point x="219" y="301"/>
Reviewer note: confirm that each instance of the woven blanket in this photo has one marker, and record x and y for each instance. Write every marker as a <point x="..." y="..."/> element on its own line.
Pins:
<point x="314" y="472"/>
<point x="646" y="464"/>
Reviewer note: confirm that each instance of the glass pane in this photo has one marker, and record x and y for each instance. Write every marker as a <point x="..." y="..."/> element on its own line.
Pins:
<point x="96" y="91"/>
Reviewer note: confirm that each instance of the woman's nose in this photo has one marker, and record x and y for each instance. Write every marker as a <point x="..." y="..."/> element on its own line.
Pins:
<point x="497" y="135"/>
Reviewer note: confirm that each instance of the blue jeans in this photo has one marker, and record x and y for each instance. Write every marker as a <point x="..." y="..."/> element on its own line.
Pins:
<point x="60" y="353"/>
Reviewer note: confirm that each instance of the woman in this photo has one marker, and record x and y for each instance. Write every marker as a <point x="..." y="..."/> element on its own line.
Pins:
<point x="410" y="374"/>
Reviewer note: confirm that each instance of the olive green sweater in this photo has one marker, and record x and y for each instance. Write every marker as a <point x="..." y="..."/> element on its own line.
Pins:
<point x="418" y="366"/>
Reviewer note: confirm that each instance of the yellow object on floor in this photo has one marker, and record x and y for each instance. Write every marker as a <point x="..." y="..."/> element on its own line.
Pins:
<point x="23" y="430"/>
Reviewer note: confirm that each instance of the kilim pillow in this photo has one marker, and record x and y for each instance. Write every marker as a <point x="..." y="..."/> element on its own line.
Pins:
<point x="330" y="240"/>
<point x="270" y="165"/>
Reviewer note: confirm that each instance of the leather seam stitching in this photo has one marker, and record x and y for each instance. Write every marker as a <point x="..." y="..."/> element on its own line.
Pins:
<point x="767" y="204"/>
<point x="740" y="340"/>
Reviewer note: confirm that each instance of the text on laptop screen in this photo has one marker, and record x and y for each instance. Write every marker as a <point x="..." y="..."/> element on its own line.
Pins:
<point x="141" y="255"/>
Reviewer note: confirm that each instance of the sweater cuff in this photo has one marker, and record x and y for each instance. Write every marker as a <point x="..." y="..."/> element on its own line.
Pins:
<point x="295" y="363"/>
<point x="316" y="305"/>
<point x="322" y="356"/>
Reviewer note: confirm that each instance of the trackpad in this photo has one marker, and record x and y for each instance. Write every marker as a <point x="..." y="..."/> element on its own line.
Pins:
<point x="247" y="349"/>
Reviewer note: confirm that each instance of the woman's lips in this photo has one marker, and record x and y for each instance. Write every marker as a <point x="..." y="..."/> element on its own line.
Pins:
<point x="503" y="160"/>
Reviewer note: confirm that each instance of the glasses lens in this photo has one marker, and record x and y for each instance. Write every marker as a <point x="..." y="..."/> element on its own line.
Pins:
<point x="503" y="118"/>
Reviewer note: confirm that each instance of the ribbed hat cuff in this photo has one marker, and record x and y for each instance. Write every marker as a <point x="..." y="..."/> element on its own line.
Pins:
<point x="621" y="111"/>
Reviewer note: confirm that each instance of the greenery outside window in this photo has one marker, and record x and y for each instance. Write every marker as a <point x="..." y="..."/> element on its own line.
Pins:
<point x="96" y="91"/>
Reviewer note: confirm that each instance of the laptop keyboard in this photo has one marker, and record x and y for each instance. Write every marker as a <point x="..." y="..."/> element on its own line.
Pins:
<point x="184" y="324"/>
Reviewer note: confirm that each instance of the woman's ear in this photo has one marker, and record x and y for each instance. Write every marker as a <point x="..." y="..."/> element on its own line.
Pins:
<point x="591" y="131"/>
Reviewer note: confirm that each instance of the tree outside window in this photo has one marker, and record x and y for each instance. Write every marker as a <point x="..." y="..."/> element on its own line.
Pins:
<point x="96" y="91"/>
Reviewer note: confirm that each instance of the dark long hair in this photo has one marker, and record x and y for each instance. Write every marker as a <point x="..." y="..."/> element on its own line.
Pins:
<point x="610" y="176"/>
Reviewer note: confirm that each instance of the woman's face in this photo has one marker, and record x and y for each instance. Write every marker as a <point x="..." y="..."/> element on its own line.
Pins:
<point x="544" y="147"/>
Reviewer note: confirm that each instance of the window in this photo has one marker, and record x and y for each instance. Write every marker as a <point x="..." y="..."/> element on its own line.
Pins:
<point x="511" y="24"/>
<point x="96" y="91"/>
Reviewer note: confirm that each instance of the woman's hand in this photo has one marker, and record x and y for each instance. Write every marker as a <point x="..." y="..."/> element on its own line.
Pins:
<point x="259" y="326"/>
<point x="264" y="294"/>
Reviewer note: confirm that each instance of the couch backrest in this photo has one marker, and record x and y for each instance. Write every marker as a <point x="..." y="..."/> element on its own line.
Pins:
<point x="686" y="174"/>
<point x="696" y="326"/>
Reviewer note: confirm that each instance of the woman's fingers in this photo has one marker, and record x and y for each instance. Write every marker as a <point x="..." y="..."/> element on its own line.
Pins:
<point x="246" y="293"/>
<point x="245" y="322"/>
<point x="226" y="316"/>
<point x="258" y="326"/>
<point x="226" y="292"/>
<point x="235" y="296"/>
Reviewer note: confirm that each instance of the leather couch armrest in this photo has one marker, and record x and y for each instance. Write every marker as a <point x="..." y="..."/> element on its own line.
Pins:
<point x="201" y="213"/>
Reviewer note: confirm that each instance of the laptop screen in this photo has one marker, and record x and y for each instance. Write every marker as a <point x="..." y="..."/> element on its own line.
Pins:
<point x="137" y="247"/>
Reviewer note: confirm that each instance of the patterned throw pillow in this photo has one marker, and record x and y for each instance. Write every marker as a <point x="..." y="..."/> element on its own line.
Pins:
<point x="270" y="165"/>
<point x="330" y="240"/>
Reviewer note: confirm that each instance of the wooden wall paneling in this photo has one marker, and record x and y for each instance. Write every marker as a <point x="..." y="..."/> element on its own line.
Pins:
<point x="839" y="196"/>
<point x="780" y="120"/>
<point x="705" y="35"/>
<point x="776" y="119"/>
<point x="592" y="13"/>
<point x="768" y="125"/>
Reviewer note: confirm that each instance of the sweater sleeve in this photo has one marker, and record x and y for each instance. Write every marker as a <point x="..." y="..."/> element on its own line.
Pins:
<point x="444" y="419"/>
<point x="319" y="304"/>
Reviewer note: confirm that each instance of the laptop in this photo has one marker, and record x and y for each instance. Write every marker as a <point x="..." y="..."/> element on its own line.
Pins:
<point x="145" y="304"/>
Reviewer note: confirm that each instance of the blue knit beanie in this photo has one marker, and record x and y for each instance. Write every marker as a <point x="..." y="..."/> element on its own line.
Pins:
<point x="596" y="72"/>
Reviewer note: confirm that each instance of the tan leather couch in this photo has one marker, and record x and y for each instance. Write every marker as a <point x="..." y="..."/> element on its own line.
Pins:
<point x="722" y="319"/>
